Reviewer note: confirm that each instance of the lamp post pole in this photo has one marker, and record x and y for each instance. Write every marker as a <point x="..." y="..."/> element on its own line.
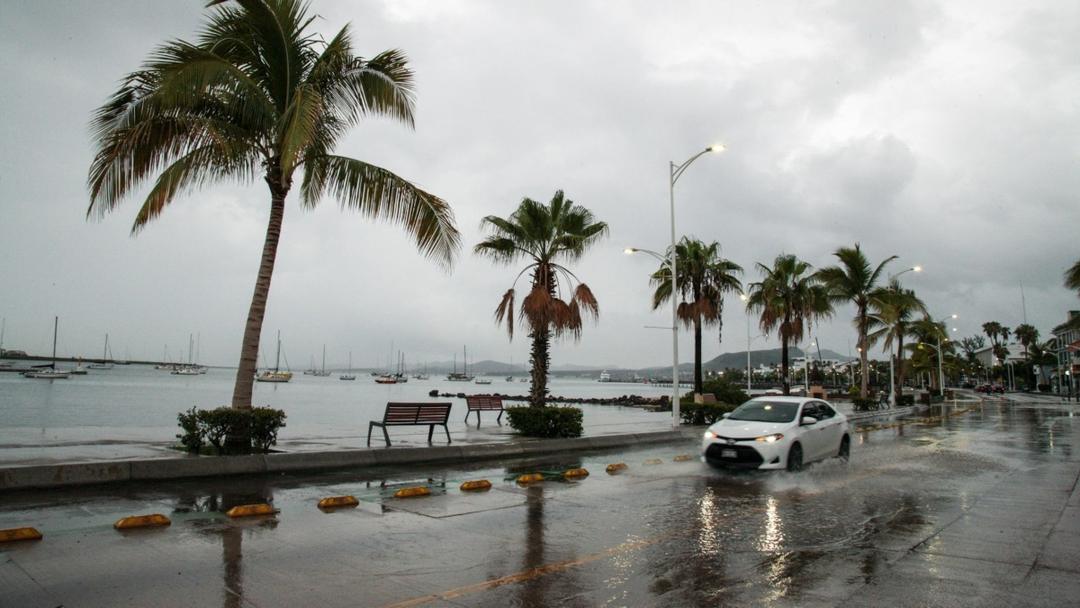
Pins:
<point x="749" y="387"/>
<point x="675" y="172"/>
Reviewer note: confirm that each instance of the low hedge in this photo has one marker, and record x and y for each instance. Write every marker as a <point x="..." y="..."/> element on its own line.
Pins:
<point x="905" y="400"/>
<point x="260" y="425"/>
<point x="548" y="421"/>
<point x="704" y="413"/>
<point x="863" y="405"/>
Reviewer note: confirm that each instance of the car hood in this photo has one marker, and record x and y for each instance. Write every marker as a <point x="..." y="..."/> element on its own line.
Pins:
<point x="745" y="429"/>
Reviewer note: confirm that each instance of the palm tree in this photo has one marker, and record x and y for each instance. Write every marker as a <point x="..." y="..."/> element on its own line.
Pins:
<point x="1072" y="277"/>
<point x="546" y="236"/>
<point x="893" y="308"/>
<point x="992" y="329"/>
<point x="853" y="280"/>
<point x="1028" y="337"/>
<point x="789" y="298"/>
<point x="704" y="278"/>
<point x="928" y="332"/>
<point x="260" y="95"/>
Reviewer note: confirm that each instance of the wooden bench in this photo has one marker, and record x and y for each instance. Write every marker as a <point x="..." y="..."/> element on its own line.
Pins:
<point x="412" y="414"/>
<point x="483" y="403"/>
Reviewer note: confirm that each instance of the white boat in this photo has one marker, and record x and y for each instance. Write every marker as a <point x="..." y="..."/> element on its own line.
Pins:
<point x="386" y="379"/>
<point x="187" y="371"/>
<point x="49" y="373"/>
<point x="483" y="380"/>
<point x="78" y="370"/>
<point x="322" y="372"/>
<point x="275" y="375"/>
<point x="348" y="375"/>
<point x="605" y="376"/>
<point x="105" y="358"/>
<point x="464" y="376"/>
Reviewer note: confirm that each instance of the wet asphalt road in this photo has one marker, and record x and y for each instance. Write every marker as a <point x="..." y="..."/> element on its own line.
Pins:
<point x="980" y="508"/>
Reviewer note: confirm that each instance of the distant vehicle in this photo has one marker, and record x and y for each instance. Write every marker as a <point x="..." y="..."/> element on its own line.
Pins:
<point x="777" y="433"/>
<point x="990" y="388"/>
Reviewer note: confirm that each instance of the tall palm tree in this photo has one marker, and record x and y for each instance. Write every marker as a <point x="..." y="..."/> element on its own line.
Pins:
<point x="893" y="309"/>
<point x="853" y="280"/>
<point x="992" y="329"/>
<point x="1072" y="277"/>
<point x="928" y="333"/>
<point x="1028" y="337"/>
<point x="704" y="278"/>
<point x="261" y="95"/>
<point x="545" y="236"/>
<point x="789" y="298"/>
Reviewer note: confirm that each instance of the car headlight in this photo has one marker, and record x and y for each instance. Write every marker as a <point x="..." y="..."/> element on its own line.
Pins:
<point x="710" y="435"/>
<point x="770" y="438"/>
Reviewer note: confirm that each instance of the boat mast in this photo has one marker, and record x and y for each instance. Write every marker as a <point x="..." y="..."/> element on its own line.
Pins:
<point x="56" y="323"/>
<point x="104" y="351"/>
<point x="323" y="357"/>
<point x="466" y="353"/>
<point x="3" y="326"/>
<point x="277" y="357"/>
<point x="190" y="348"/>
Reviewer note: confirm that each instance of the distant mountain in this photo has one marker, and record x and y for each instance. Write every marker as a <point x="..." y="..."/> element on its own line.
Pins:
<point x="767" y="357"/>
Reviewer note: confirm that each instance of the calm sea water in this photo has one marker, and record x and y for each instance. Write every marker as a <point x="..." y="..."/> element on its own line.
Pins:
<point x="138" y="403"/>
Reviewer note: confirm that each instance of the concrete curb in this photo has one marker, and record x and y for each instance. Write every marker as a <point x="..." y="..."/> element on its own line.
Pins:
<point x="86" y="473"/>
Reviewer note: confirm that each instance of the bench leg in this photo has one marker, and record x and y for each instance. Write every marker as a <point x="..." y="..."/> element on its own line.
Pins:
<point x="467" y="416"/>
<point x="447" y="434"/>
<point x="477" y="418"/>
<point x="499" y="419"/>
<point x="430" y="432"/>
<point x="386" y="435"/>
<point x="369" y="427"/>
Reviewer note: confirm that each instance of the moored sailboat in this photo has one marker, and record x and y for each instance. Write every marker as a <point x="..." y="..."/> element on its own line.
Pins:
<point x="276" y="374"/>
<point x="49" y="372"/>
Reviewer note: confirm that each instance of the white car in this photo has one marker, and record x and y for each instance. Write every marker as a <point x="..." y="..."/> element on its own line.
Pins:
<point x="777" y="433"/>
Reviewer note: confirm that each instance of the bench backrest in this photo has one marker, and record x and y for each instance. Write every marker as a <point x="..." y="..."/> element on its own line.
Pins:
<point x="483" y="402"/>
<point x="416" y="413"/>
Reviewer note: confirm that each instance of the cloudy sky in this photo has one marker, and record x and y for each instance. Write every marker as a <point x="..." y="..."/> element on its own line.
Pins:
<point x="942" y="132"/>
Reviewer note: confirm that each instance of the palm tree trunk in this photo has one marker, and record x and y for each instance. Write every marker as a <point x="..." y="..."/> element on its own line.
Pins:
<point x="540" y="360"/>
<point x="900" y="364"/>
<point x="698" y="384"/>
<point x="864" y="386"/>
<point x="249" y="348"/>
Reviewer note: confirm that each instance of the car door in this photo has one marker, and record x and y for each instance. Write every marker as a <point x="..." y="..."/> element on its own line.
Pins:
<point x="831" y="428"/>
<point x="812" y="439"/>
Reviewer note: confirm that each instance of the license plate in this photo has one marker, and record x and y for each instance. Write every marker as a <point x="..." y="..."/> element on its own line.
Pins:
<point x="728" y="454"/>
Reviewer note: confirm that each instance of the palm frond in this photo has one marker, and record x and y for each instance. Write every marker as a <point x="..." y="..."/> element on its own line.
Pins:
<point x="505" y="311"/>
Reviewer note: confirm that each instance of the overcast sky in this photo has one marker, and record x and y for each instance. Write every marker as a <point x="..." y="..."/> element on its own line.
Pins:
<point x="942" y="132"/>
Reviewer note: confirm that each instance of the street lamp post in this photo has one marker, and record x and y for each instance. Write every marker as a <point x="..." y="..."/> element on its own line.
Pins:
<point x="675" y="172"/>
<point x="744" y="297"/>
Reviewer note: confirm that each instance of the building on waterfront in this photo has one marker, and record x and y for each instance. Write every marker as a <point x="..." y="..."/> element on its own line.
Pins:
<point x="1066" y="345"/>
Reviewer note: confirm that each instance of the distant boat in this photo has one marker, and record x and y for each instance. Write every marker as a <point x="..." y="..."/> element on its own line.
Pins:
<point x="79" y="370"/>
<point x="605" y="376"/>
<point x="3" y="326"/>
<point x="386" y="379"/>
<point x="275" y="375"/>
<point x="483" y="380"/>
<point x="105" y="358"/>
<point x="464" y="376"/>
<point x="322" y="372"/>
<point x="50" y="372"/>
<point x="509" y="378"/>
<point x="348" y="375"/>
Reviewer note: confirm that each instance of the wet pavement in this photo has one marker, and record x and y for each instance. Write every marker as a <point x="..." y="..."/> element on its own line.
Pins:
<point x="977" y="508"/>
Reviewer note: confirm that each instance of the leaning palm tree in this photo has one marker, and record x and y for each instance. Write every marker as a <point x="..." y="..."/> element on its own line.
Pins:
<point x="853" y="280"/>
<point x="704" y="278"/>
<point x="260" y="95"/>
<point x="789" y="298"/>
<point x="893" y="309"/>
<point x="545" y="236"/>
<point x="1072" y="277"/>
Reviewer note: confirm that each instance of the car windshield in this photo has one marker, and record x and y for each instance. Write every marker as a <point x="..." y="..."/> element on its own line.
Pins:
<point x="765" y="411"/>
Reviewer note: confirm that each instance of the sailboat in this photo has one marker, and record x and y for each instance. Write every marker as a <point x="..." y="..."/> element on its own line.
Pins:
<point x="192" y="368"/>
<point x="401" y="374"/>
<point x="322" y="372"/>
<point x="50" y="372"/>
<point x="105" y="358"/>
<point x="348" y="375"/>
<point x="464" y="376"/>
<point x="275" y="375"/>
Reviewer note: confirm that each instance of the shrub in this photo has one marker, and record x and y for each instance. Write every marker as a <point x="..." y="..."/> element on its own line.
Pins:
<point x="725" y="391"/>
<point x="853" y="392"/>
<point x="863" y="405"/>
<point x="548" y="421"/>
<point x="905" y="400"/>
<point x="192" y="438"/>
<point x="260" y="425"/>
<point x="265" y="423"/>
<point x="704" y="413"/>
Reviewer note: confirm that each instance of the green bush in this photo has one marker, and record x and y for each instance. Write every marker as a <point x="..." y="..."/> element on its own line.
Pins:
<point x="863" y="405"/>
<point x="704" y="413"/>
<point x="259" y="425"/>
<point x="265" y="423"/>
<point x="549" y="421"/>
<point x="853" y="391"/>
<point x="192" y="438"/>
<point x="725" y="391"/>
<point x="905" y="400"/>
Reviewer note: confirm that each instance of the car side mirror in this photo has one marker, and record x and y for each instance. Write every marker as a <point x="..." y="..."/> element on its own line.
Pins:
<point x="807" y="421"/>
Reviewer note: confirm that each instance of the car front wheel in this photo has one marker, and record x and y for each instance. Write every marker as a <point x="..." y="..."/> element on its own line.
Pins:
<point x="845" y="448"/>
<point x="794" y="458"/>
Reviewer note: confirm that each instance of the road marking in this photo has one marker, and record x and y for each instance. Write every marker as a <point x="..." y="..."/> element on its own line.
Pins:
<point x="532" y="573"/>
